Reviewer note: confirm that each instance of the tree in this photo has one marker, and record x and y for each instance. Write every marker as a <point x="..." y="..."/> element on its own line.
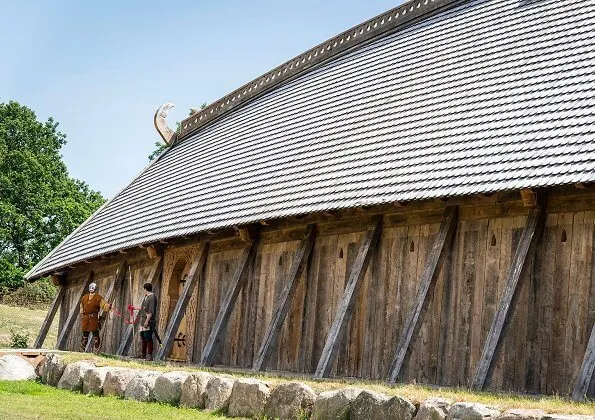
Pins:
<point x="160" y="145"/>
<point x="39" y="202"/>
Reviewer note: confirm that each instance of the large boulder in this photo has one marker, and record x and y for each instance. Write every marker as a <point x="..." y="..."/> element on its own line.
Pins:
<point x="193" y="390"/>
<point x="116" y="381"/>
<point x="248" y="398"/>
<point x="15" y="368"/>
<point x="335" y="404"/>
<point x="168" y="387"/>
<point x="290" y="400"/>
<point x="94" y="380"/>
<point x="218" y="393"/>
<point x="372" y="405"/>
<point x="53" y="368"/>
<point x="141" y="386"/>
<point x="72" y="378"/>
<point x="433" y="409"/>
<point x="522" y="414"/>
<point x="471" y="411"/>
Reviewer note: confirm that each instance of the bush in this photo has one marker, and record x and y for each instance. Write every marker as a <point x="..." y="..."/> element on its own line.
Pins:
<point x="38" y="294"/>
<point x="18" y="340"/>
<point x="11" y="277"/>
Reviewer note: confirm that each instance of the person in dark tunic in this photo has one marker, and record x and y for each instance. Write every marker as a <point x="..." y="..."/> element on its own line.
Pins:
<point x="90" y="306"/>
<point x="148" y="314"/>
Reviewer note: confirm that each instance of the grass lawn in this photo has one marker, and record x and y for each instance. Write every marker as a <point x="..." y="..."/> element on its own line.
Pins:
<point x="32" y="400"/>
<point x="25" y="320"/>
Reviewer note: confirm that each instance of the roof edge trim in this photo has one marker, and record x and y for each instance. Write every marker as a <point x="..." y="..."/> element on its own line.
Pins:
<point x="356" y="36"/>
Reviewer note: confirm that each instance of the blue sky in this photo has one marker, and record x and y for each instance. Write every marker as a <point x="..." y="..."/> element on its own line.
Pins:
<point x="101" y="69"/>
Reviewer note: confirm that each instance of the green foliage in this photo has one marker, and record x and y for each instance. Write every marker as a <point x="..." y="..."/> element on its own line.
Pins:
<point x="34" y="295"/>
<point x="19" y="340"/>
<point x="160" y="146"/>
<point x="39" y="203"/>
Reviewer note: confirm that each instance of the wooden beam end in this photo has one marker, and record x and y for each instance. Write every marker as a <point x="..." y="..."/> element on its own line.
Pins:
<point x="529" y="197"/>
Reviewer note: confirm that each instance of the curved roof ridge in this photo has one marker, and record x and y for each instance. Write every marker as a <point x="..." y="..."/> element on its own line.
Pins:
<point x="379" y="25"/>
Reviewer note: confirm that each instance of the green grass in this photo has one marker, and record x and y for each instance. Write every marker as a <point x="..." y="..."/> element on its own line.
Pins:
<point x="25" y="320"/>
<point x="32" y="400"/>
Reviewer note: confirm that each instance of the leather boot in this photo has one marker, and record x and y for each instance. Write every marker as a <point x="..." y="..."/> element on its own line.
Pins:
<point x="149" y="350"/>
<point x="96" y="343"/>
<point x="84" y="341"/>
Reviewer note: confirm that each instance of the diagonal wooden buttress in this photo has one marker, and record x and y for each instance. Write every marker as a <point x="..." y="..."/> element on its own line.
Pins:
<point x="525" y="249"/>
<point x="347" y="303"/>
<point x="442" y="241"/>
<point x="153" y="279"/>
<point x="238" y="280"/>
<point x="114" y="288"/>
<point x="49" y="317"/>
<point x="269" y="343"/>
<point x="74" y="313"/>
<point x="180" y="309"/>
<point x="585" y="375"/>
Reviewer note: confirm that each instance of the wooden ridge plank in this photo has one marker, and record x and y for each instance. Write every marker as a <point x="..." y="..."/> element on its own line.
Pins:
<point x="116" y="285"/>
<point x="300" y="260"/>
<point x="586" y="372"/>
<point x="235" y="286"/>
<point x="531" y="232"/>
<point x="49" y="317"/>
<point x="74" y="312"/>
<point x="427" y="283"/>
<point x="152" y="278"/>
<point x="346" y="305"/>
<point x="180" y="309"/>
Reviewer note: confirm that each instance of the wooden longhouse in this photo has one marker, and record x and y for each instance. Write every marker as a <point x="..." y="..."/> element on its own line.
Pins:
<point x="411" y="200"/>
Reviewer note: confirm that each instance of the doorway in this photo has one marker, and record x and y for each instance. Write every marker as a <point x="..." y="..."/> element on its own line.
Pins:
<point x="176" y="285"/>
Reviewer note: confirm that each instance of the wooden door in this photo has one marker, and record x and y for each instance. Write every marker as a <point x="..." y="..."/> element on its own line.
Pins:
<point x="176" y="284"/>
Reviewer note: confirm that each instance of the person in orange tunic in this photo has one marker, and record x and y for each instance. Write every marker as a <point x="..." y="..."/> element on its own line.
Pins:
<point x="91" y="304"/>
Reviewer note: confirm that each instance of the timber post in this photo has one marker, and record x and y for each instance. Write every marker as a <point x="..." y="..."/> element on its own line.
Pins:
<point x="113" y="288"/>
<point x="345" y="309"/>
<point x="493" y="344"/>
<point x="587" y="369"/>
<point x="74" y="312"/>
<point x="269" y="342"/>
<point x="428" y="281"/>
<point x="127" y="335"/>
<point x="235" y="286"/>
<point x="180" y="309"/>
<point x="49" y="317"/>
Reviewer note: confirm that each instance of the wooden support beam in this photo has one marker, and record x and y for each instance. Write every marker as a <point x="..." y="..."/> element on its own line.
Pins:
<point x="235" y="286"/>
<point x="529" y="197"/>
<point x="503" y="314"/>
<point x="127" y="335"/>
<point x="180" y="309"/>
<point x="428" y="281"/>
<point x="345" y="309"/>
<point x="49" y="317"/>
<point x="585" y="375"/>
<point x="74" y="313"/>
<point x="300" y="261"/>
<point x="115" y="286"/>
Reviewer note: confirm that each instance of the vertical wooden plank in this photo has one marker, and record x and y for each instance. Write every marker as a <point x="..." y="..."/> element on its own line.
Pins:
<point x="285" y="299"/>
<point x="502" y="317"/>
<point x="180" y="309"/>
<point x="220" y="325"/>
<point x="49" y="317"/>
<point x="557" y="382"/>
<point x="115" y="286"/>
<point x="427" y="283"/>
<point x="345" y="308"/>
<point x="129" y="331"/>
<point x="74" y="312"/>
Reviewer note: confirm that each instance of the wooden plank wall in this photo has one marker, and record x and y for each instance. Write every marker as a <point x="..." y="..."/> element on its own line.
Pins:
<point x="541" y="353"/>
